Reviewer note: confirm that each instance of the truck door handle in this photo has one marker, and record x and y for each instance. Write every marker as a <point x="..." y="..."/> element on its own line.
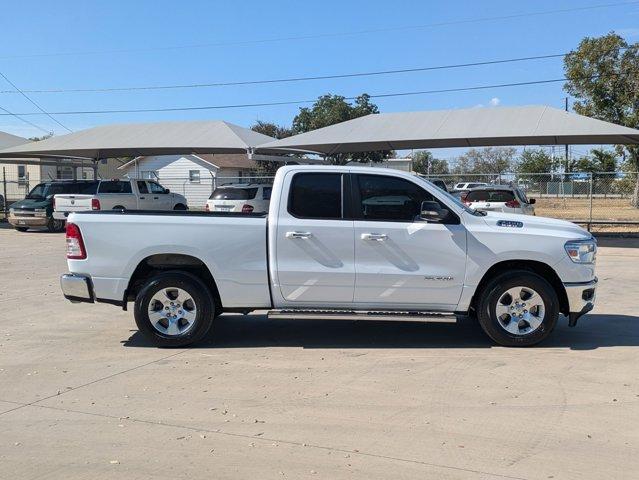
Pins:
<point x="155" y="198"/>
<point x="374" y="237"/>
<point x="299" y="234"/>
<point x="141" y="198"/>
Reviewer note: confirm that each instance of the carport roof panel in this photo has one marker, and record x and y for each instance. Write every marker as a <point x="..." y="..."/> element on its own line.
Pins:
<point x="7" y="140"/>
<point x="474" y="127"/>
<point x="163" y="138"/>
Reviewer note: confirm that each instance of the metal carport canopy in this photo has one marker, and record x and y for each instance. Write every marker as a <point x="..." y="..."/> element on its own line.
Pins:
<point x="163" y="138"/>
<point x="472" y="127"/>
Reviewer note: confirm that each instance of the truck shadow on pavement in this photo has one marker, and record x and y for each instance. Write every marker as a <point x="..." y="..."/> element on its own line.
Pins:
<point x="256" y="331"/>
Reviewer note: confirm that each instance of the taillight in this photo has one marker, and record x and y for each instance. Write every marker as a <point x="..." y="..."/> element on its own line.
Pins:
<point x="54" y="203"/>
<point x="75" y="245"/>
<point x="95" y="204"/>
<point x="247" y="209"/>
<point x="513" y="204"/>
<point x="207" y="208"/>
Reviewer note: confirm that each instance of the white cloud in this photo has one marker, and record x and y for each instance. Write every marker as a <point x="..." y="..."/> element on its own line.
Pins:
<point x="494" y="101"/>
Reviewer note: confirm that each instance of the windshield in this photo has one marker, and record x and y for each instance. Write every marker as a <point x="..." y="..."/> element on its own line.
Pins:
<point x="38" y="191"/>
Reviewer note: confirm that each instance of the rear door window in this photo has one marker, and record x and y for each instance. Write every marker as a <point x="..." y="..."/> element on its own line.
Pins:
<point x="232" y="193"/>
<point x="497" y="196"/>
<point x="316" y="196"/>
<point x="114" y="186"/>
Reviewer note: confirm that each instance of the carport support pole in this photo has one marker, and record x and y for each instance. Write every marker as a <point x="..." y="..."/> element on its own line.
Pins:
<point x="590" y="194"/>
<point x="4" y="189"/>
<point x="95" y="168"/>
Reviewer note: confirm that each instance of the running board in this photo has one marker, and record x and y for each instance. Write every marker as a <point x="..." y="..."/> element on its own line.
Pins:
<point x="386" y="316"/>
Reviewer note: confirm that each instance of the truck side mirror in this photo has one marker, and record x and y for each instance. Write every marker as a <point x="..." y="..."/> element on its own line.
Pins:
<point x="166" y="190"/>
<point x="532" y="201"/>
<point x="433" y="212"/>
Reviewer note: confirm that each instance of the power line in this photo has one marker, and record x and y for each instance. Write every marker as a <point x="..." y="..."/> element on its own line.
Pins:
<point x="295" y="102"/>
<point x="329" y="35"/>
<point x="292" y="79"/>
<point x="34" y="103"/>
<point x="7" y="112"/>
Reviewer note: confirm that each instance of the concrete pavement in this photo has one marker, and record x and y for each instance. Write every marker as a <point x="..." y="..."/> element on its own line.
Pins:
<point x="82" y="394"/>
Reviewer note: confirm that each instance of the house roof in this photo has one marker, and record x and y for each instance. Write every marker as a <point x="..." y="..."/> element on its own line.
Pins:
<point x="228" y="160"/>
<point x="219" y="160"/>
<point x="471" y="127"/>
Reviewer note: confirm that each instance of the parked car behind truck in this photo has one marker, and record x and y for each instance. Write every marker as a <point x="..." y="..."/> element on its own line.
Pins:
<point x="134" y="194"/>
<point x="337" y="243"/>
<point x="36" y="209"/>
<point x="240" y="197"/>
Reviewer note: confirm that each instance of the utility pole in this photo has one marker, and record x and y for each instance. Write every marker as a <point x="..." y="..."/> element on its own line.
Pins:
<point x="566" y="170"/>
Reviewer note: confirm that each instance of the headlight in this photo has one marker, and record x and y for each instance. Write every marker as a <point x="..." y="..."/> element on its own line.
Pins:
<point x="11" y="211"/>
<point x="582" y="251"/>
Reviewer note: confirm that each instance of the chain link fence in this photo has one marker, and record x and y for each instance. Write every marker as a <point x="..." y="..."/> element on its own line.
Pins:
<point x="599" y="201"/>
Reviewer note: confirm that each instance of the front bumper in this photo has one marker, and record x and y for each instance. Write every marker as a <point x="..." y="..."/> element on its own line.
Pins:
<point x="28" y="220"/>
<point x="77" y="288"/>
<point x="581" y="299"/>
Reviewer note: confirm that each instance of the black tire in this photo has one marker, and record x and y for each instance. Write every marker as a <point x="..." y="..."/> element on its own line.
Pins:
<point x="496" y="288"/>
<point x="201" y="295"/>
<point x="55" y="226"/>
<point x="21" y="229"/>
<point x="180" y="206"/>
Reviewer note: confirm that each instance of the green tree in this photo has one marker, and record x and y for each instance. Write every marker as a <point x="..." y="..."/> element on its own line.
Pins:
<point x="535" y="161"/>
<point x="603" y="76"/>
<point x="268" y="168"/>
<point x="486" y="160"/>
<point x="332" y="109"/>
<point x="426" y="164"/>
<point x="43" y="137"/>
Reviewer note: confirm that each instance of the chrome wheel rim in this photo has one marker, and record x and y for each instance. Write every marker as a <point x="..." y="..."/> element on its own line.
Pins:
<point x="172" y="311"/>
<point x="520" y="310"/>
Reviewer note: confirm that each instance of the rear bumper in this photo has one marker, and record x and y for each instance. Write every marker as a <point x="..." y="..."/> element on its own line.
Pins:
<point x="61" y="215"/>
<point x="77" y="288"/>
<point x="581" y="299"/>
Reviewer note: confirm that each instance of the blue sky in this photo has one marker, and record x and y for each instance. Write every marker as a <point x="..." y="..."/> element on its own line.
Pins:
<point x="49" y="45"/>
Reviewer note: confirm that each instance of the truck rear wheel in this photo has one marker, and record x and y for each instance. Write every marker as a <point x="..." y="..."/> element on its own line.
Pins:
<point x="518" y="309"/>
<point x="174" y="309"/>
<point x="54" y="225"/>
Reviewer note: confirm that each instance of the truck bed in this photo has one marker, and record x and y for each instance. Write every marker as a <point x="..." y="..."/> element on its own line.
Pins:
<point x="172" y="213"/>
<point x="231" y="245"/>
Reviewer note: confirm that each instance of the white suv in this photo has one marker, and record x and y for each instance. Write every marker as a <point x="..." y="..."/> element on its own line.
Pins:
<point x="499" y="198"/>
<point x="244" y="198"/>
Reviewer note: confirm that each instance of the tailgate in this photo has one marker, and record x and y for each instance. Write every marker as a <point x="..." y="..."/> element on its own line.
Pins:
<point x="488" y="206"/>
<point x="72" y="202"/>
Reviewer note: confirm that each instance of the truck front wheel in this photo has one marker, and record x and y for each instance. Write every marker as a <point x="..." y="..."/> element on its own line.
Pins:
<point x="518" y="309"/>
<point x="174" y="309"/>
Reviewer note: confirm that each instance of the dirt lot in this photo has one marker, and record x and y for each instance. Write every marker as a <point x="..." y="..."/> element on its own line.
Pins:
<point x="83" y="396"/>
<point x="579" y="208"/>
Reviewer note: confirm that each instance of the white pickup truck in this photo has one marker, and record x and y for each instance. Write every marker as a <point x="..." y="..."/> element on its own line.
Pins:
<point x="133" y="194"/>
<point x="337" y="243"/>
